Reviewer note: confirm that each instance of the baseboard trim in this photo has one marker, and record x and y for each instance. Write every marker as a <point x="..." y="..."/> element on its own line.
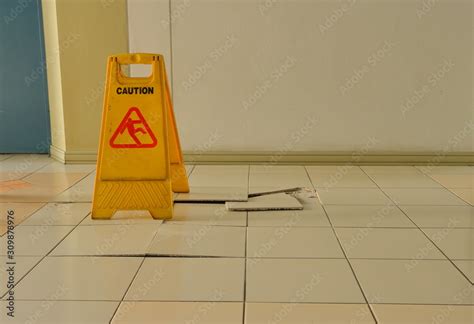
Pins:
<point x="383" y="158"/>
<point x="72" y="157"/>
<point x="57" y="154"/>
<point x="386" y="158"/>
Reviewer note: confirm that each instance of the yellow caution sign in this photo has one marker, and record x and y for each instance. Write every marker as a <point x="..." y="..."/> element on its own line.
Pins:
<point x="139" y="163"/>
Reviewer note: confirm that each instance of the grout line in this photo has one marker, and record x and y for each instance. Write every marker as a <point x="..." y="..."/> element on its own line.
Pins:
<point x="234" y="302"/>
<point x="29" y="173"/>
<point x="449" y="189"/>
<point x="192" y="168"/>
<point x="34" y="212"/>
<point x="70" y="187"/>
<point x="345" y="255"/>
<point x="427" y="237"/>
<point x="452" y="192"/>
<point x="40" y="168"/>
<point x="245" y="259"/>
<point x="178" y="256"/>
<point x="128" y="288"/>
<point x="42" y="257"/>
<point x="9" y="157"/>
<point x="469" y="205"/>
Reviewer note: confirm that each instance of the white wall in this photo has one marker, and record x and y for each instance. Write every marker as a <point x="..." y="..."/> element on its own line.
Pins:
<point x="302" y="75"/>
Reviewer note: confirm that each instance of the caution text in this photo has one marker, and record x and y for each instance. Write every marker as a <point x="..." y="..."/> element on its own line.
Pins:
<point x="135" y="90"/>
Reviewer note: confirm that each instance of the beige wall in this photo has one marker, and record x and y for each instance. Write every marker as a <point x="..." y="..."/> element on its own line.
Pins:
<point x="80" y="34"/>
<point x="315" y="76"/>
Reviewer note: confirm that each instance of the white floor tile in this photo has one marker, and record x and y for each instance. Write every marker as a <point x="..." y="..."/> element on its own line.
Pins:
<point x="292" y="242"/>
<point x="170" y="279"/>
<point x="414" y="282"/>
<point x="78" y="278"/>
<point x="424" y="196"/>
<point x="197" y="240"/>
<point x="107" y="240"/>
<point x="301" y="281"/>
<point x="441" y="216"/>
<point x="206" y="214"/>
<point x="35" y="240"/>
<point x="60" y="312"/>
<point x="292" y="313"/>
<point x="467" y="267"/>
<point x="303" y="218"/>
<point x="394" y="180"/>
<point x="124" y="217"/>
<point x="80" y="192"/>
<point x="387" y="243"/>
<point x="456" y="243"/>
<point x="58" y="167"/>
<point x="367" y="216"/>
<point x="423" y="314"/>
<point x="211" y="312"/>
<point x="21" y="266"/>
<point x="358" y="196"/>
<point x="59" y="214"/>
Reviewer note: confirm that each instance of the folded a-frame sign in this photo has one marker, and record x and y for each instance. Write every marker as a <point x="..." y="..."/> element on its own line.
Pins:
<point x="139" y="163"/>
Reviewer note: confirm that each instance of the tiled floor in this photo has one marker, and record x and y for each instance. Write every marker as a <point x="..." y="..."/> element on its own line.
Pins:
<point x="375" y="244"/>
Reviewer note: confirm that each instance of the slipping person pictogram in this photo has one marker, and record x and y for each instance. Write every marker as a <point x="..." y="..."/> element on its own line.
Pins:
<point x="133" y="127"/>
<point x="130" y="126"/>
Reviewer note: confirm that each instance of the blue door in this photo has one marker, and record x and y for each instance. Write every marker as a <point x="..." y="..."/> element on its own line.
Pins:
<point x="24" y="110"/>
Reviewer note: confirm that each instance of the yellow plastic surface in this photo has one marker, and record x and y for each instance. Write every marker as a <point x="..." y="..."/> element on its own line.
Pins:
<point x="139" y="162"/>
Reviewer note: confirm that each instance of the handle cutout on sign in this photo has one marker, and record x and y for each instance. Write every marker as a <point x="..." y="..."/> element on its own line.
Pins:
<point x="127" y="73"/>
<point x="137" y="70"/>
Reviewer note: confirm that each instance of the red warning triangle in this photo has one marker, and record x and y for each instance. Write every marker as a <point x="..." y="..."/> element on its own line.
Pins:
<point x="133" y="132"/>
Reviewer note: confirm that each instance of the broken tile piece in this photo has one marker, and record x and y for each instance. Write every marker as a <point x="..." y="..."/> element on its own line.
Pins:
<point x="213" y="194"/>
<point x="269" y="192"/>
<point x="279" y="201"/>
